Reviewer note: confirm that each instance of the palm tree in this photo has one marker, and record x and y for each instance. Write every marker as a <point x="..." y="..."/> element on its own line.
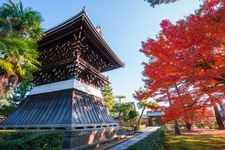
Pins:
<point x="19" y="31"/>
<point x="14" y="19"/>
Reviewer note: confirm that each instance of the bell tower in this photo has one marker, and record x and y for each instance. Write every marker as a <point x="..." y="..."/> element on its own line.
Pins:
<point x="67" y="92"/>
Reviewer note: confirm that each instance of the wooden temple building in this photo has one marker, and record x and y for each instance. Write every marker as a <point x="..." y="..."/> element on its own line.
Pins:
<point x="154" y="118"/>
<point x="67" y="92"/>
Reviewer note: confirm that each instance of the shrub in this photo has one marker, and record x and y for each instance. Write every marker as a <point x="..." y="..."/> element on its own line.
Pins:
<point x="200" y="125"/>
<point x="153" y="141"/>
<point x="30" y="140"/>
<point x="214" y="126"/>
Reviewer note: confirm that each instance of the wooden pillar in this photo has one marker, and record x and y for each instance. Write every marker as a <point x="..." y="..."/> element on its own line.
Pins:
<point x="149" y="121"/>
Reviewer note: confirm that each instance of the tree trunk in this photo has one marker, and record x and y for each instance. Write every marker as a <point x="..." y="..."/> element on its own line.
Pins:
<point x="221" y="106"/>
<point x="222" y="110"/>
<point x="218" y="118"/>
<point x="176" y="128"/>
<point x="131" y="125"/>
<point x="5" y="81"/>
<point x="188" y="126"/>
<point x="4" y="85"/>
<point x="139" y="120"/>
<point x="120" y="122"/>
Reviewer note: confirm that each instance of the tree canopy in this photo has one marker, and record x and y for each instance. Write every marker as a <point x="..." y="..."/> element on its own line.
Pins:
<point x="188" y="64"/>
<point x="20" y="28"/>
<point x="107" y="94"/>
<point x="24" y="22"/>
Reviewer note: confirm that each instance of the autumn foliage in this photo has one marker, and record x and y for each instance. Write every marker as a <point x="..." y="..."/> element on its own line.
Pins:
<point x="198" y="117"/>
<point x="187" y="70"/>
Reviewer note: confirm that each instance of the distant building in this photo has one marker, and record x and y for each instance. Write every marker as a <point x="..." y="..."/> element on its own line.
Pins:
<point x="154" y="118"/>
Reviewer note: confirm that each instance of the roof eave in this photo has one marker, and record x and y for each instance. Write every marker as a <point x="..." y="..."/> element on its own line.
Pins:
<point x="103" y="42"/>
<point x="84" y="17"/>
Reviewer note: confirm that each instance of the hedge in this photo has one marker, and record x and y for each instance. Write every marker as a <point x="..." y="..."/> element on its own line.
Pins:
<point x="30" y="140"/>
<point x="152" y="142"/>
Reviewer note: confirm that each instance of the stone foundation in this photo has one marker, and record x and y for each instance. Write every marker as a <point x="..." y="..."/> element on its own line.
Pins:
<point x="89" y="138"/>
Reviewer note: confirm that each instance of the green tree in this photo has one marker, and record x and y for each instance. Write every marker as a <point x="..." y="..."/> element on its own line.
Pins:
<point x="143" y="105"/>
<point x="19" y="31"/>
<point x="126" y="112"/>
<point x="123" y="110"/>
<point x="142" y="97"/>
<point x="120" y="97"/>
<point x="132" y="116"/>
<point x="14" y="98"/>
<point x="20" y="92"/>
<point x="5" y="106"/>
<point x="108" y="98"/>
<point x="25" y="22"/>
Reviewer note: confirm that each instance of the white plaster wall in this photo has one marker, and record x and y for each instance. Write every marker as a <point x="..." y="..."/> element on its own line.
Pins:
<point x="67" y="84"/>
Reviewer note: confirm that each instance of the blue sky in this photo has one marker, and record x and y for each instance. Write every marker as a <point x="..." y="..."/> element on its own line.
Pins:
<point x="125" y="23"/>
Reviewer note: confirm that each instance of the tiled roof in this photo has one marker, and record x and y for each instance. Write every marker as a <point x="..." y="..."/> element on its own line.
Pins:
<point x="61" y="109"/>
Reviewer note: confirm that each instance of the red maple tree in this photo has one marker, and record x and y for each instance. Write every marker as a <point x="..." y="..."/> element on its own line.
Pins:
<point x="200" y="117"/>
<point x="188" y="62"/>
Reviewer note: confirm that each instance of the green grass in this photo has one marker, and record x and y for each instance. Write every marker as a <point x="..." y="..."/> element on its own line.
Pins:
<point x="194" y="142"/>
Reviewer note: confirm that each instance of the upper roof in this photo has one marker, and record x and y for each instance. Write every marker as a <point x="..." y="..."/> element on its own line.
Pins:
<point x="75" y="21"/>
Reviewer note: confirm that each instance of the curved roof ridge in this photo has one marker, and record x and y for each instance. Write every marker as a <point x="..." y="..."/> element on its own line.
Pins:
<point x="83" y="11"/>
<point x="103" y="40"/>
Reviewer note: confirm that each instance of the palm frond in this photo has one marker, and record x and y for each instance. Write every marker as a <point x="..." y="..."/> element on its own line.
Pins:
<point x="20" y="28"/>
<point x="7" y="66"/>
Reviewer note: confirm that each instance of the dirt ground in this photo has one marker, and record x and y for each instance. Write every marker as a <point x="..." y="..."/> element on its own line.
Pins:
<point x="220" y="133"/>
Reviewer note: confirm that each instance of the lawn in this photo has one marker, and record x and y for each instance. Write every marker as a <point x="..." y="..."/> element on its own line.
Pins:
<point x="199" y="139"/>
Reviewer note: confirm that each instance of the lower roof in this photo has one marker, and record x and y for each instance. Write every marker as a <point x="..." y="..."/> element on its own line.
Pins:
<point x="66" y="108"/>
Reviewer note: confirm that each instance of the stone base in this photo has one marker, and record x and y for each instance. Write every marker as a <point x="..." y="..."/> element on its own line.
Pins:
<point x="89" y="138"/>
